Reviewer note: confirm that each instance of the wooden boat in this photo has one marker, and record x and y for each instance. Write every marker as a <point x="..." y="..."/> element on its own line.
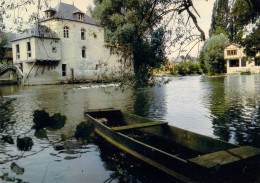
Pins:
<point x="186" y="155"/>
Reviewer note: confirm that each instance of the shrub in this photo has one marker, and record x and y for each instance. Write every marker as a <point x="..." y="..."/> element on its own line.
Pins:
<point x="212" y="55"/>
<point x="186" y="68"/>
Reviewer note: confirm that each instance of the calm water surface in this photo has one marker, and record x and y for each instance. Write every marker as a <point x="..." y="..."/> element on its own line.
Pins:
<point x="226" y="108"/>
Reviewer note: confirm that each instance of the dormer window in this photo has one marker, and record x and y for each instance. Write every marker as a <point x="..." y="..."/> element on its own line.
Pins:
<point x="50" y="12"/>
<point x="81" y="16"/>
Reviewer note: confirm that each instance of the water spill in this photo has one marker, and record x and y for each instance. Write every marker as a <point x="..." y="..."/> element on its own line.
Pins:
<point x="226" y="108"/>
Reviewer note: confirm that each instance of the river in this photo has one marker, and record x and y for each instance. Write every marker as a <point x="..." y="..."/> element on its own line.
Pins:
<point x="226" y="108"/>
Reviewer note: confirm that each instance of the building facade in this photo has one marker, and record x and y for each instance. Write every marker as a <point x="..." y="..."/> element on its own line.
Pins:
<point x="237" y="61"/>
<point x="66" y="45"/>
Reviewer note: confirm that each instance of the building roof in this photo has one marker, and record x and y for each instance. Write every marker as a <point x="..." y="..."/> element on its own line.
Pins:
<point x="232" y="44"/>
<point x="66" y="12"/>
<point x="38" y="31"/>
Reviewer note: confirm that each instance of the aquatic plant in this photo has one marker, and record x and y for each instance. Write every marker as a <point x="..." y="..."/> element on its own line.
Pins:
<point x="42" y="120"/>
<point x="24" y="144"/>
<point x="57" y="121"/>
<point x="41" y="134"/>
<point x="8" y="139"/>
<point x="84" y="131"/>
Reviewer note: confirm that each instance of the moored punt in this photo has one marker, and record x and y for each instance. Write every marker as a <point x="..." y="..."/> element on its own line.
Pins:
<point x="186" y="155"/>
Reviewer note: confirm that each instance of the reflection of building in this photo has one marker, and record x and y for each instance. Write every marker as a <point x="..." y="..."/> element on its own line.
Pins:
<point x="67" y="45"/>
<point x="237" y="61"/>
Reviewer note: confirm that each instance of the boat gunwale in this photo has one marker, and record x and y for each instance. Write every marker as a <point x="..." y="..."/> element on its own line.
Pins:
<point x="136" y="141"/>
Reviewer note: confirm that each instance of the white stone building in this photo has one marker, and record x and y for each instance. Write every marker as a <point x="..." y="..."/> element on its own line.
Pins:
<point x="66" y="45"/>
<point x="237" y="62"/>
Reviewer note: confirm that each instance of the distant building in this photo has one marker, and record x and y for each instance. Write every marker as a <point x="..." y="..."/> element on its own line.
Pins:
<point x="67" y="45"/>
<point x="236" y="60"/>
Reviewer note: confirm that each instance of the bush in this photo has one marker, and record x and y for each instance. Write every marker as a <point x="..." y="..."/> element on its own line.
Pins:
<point x="212" y="55"/>
<point x="186" y="68"/>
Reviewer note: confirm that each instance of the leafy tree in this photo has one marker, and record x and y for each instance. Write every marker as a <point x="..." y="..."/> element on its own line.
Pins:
<point x="244" y="13"/>
<point x="252" y="42"/>
<point x="3" y="42"/>
<point x="131" y="26"/>
<point x="220" y="17"/>
<point x="202" y="64"/>
<point x="212" y="54"/>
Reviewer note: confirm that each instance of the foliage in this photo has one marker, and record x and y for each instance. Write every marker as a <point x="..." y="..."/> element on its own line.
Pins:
<point x="202" y="64"/>
<point x="42" y="120"/>
<point x="3" y="42"/>
<point x="24" y="144"/>
<point x="84" y="131"/>
<point x="245" y="72"/>
<point x="232" y="19"/>
<point x="186" y="68"/>
<point x="220" y="17"/>
<point x="138" y="30"/>
<point x="252" y="42"/>
<point x="212" y="54"/>
<point x="8" y="139"/>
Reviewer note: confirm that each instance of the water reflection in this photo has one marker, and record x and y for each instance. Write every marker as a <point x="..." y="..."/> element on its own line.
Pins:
<point x="151" y="102"/>
<point x="234" y="106"/>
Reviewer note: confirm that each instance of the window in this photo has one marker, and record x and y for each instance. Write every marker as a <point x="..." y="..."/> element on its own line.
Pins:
<point x="234" y="63"/>
<point x="81" y="16"/>
<point x="54" y="49"/>
<point x="66" y="32"/>
<point x="83" y="52"/>
<point x="82" y="34"/>
<point x="63" y="69"/>
<point x="17" y="52"/>
<point x="257" y="61"/>
<point x="231" y="52"/>
<point x="29" y="53"/>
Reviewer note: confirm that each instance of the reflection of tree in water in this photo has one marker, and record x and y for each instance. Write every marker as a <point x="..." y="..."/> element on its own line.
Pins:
<point x="234" y="113"/>
<point x="127" y="169"/>
<point x="150" y="102"/>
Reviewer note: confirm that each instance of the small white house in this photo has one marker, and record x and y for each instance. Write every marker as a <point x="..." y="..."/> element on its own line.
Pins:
<point x="66" y="45"/>
<point x="236" y="60"/>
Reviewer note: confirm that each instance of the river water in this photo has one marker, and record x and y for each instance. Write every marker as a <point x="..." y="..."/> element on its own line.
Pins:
<point x="226" y="108"/>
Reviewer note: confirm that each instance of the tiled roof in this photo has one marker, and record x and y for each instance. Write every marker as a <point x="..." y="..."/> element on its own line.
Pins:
<point x="38" y="31"/>
<point x="231" y="44"/>
<point x="67" y="12"/>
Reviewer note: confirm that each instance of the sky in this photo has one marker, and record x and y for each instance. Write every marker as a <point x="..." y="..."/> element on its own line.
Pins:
<point x="204" y="8"/>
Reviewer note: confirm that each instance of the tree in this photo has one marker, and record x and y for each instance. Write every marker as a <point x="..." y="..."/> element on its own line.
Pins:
<point x="132" y="26"/>
<point x="220" y="17"/>
<point x="245" y="12"/>
<point x="3" y="42"/>
<point x="212" y="54"/>
<point x="252" y="42"/>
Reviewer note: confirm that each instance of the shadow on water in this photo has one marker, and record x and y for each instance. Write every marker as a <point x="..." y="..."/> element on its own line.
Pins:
<point x="235" y="109"/>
